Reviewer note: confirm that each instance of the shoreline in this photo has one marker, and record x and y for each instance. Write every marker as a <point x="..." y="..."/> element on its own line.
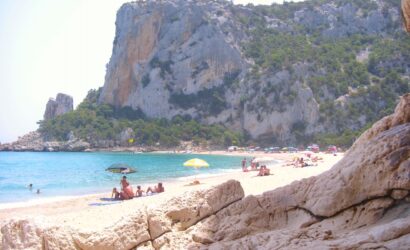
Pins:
<point x="36" y="200"/>
<point x="39" y="200"/>
<point x="84" y="211"/>
<point x="61" y="198"/>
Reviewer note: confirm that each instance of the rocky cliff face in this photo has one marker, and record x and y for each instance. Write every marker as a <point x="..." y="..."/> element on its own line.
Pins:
<point x="61" y="105"/>
<point x="180" y="57"/>
<point x="165" y="49"/>
<point x="363" y="202"/>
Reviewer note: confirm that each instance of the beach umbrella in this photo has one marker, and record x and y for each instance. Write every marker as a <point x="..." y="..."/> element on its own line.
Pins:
<point x="262" y="159"/>
<point x="121" y="168"/>
<point x="196" y="163"/>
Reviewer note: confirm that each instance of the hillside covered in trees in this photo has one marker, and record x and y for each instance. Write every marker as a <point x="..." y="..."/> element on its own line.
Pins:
<point x="314" y="71"/>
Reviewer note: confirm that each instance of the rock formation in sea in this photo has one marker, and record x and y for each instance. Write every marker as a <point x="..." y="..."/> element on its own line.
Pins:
<point x="34" y="141"/>
<point x="59" y="106"/>
<point x="363" y="202"/>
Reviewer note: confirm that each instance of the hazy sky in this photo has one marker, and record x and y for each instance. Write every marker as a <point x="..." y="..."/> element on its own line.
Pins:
<point x="52" y="46"/>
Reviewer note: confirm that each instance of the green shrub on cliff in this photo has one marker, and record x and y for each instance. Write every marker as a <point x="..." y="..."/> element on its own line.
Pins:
<point x="356" y="78"/>
<point x="92" y="121"/>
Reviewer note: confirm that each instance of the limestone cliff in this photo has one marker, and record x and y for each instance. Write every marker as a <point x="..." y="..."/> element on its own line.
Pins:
<point x="170" y="47"/>
<point x="205" y="59"/>
<point x="59" y="106"/>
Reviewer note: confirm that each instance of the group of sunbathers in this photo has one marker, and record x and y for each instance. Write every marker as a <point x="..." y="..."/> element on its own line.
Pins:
<point x="263" y="170"/>
<point x="301" y="163"/>
<point x="127" y="193"/>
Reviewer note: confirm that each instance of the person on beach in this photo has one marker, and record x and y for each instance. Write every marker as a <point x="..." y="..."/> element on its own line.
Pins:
<point x="30" y="186"/>
<point x="115" y="194"/>
<point x="139" y="191"/>
<point x="244" y="168"/>
<point x="302" y="163"/>
<point x="121" y="195"/>
<point x="263" y="171"/>
<point x="126" y="190"/>
<point x="124" y="183"/>
<point x="157" y="189"/>
<point x="38" y="191"/>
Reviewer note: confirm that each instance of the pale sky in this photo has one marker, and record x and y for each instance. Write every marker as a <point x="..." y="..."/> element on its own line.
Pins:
<point x="52" y="46"/>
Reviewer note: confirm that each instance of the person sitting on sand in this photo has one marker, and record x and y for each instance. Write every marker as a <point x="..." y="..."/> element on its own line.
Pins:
<point x="295" y="162"/>
<point x="267" y="171"/>
<point x="127" y="192"/>
<point x="139" y="191"/>
<point x="263" y="171"/>
<point x="302" y="163"/>
<point x="115" y="194"/>
<point x="157" y="189"/>
<point x="124" y="183"/>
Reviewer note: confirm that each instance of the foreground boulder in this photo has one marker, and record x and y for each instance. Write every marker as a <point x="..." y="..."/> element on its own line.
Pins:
<point x="142" y="228"/>
<point x="186" y="212"/>
<point x="125" y="234"/>
<point x="339" y="208"/>
<point x="36" y="234"/>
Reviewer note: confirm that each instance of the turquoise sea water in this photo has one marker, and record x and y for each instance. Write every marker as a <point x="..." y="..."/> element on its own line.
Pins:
<point x="67" y="174"/>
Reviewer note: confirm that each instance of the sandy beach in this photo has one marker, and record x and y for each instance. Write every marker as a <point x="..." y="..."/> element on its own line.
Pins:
<point x="90" y="212"/>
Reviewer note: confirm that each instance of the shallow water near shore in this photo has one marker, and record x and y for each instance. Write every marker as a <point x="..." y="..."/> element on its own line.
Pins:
<point x="61" y="174"/>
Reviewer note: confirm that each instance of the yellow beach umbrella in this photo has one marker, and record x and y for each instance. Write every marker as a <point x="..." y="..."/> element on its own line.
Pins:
<point x="196" y="163"/>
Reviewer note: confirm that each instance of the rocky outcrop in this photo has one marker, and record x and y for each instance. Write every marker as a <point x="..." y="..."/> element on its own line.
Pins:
<point x="126" y="234"/>
<point x="33" y="141"/>
<point x="61" y="105"/>
<point x="136" y="230"/>
<point x="185" y="212"/>
<point x="362" y="202"/>
<point x="36" y="234"/>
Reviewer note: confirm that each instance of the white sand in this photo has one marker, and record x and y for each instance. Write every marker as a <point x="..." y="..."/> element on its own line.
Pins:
<point x="77" y="212"/>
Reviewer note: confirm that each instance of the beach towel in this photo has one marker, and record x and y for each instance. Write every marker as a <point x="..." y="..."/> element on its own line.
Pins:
<point x="105" y="202"/>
